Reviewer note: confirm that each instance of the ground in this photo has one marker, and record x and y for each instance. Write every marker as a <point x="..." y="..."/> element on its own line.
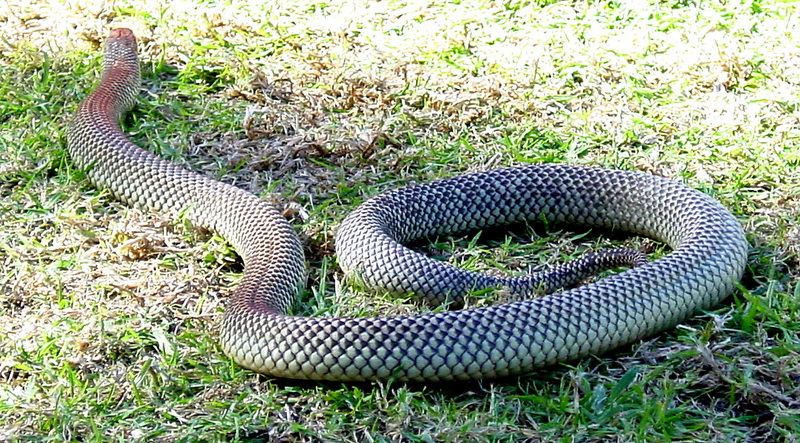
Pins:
<point x="108" y="314"/>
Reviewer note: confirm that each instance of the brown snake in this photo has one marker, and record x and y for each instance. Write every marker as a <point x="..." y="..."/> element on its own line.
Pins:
<point x="707" y="259"/>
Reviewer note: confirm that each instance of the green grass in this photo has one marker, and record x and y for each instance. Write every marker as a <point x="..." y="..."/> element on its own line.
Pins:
<point x="108" y="314"/>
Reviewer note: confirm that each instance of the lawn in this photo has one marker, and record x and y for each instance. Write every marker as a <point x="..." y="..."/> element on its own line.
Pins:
<point x="108" y="314"/>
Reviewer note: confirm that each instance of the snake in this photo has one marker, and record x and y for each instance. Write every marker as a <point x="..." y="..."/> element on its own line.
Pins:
<point x="704" y="263"/>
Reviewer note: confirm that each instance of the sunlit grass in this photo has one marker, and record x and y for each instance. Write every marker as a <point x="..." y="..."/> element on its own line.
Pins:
<point x="108" y="315"/>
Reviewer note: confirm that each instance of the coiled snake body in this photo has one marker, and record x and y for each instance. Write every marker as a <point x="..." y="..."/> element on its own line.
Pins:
<point x="708" y="257"/>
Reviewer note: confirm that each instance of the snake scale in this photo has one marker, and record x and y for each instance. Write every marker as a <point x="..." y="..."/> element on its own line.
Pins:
<point x="708" y="257"/>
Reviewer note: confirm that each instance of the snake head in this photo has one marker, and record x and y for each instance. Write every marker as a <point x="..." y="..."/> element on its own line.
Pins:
<point x="121" y="60"/>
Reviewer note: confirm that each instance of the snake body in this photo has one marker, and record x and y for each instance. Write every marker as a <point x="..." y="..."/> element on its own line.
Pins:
<point x="708" y="257"/>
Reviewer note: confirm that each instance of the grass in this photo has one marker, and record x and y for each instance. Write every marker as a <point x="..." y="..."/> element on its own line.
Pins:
<point x="108" y="314"/>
